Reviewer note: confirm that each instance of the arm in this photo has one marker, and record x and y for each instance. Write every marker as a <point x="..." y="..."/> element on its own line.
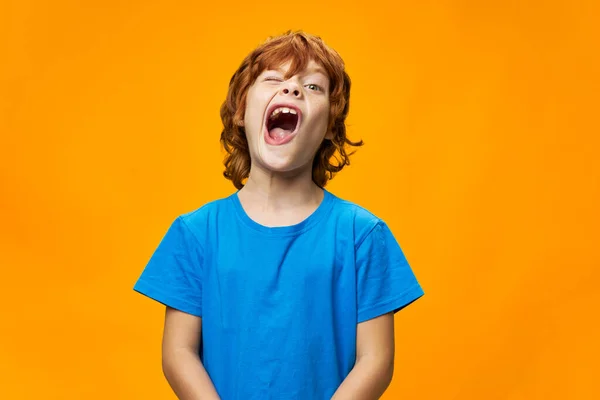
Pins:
<point x="374" y="366"/>
<point x="180" y="361"/>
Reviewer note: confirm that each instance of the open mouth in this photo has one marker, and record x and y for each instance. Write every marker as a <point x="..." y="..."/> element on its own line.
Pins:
<point x="282" y="123"/>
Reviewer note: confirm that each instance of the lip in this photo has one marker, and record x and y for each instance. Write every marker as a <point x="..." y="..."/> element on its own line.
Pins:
<point x="288" y="138"/>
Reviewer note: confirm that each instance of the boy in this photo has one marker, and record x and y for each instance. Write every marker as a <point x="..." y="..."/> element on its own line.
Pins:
<point x="281" y="290"/>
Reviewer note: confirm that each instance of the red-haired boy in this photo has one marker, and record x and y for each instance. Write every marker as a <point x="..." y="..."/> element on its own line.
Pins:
<point x="281" y="290"/>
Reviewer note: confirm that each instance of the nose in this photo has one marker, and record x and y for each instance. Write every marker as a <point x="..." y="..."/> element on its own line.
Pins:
<point x="291" y="87"/>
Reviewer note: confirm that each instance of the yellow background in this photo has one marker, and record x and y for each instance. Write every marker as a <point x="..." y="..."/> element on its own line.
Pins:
<point x="481" y="126"/>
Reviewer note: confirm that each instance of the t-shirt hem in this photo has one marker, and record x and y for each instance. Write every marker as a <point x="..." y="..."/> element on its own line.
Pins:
<point x="158" y="295"/>
<point x="394" y="305"/>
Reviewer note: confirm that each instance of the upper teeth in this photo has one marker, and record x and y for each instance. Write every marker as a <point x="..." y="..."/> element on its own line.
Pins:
<point x="283" y="110"/>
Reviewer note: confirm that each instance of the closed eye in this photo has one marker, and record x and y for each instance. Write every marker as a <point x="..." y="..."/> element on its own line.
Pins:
<point x="273" y="78"/>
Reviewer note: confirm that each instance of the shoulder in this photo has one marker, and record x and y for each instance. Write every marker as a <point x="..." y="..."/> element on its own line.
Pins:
<point x="208" y="210"/>
<point x="204" y="219"/>
<point x="361" y="220"/>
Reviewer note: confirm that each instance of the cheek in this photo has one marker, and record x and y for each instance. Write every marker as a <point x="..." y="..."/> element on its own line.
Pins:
<point x="255" y="107"/>
<point x="323" y="112"/>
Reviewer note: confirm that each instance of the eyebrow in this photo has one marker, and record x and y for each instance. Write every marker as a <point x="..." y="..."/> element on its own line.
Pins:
<point x="314" y="70"/>
<point x="317" y="70"/>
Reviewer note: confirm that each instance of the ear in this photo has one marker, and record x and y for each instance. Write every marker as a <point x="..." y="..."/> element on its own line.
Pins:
<point x="329" y="135"/>
<point x="240" y="122"/>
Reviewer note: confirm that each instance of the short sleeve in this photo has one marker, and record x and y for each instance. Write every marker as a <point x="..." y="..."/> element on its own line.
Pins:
<point x="385" y="280"/>
<point x="173" y="275"/>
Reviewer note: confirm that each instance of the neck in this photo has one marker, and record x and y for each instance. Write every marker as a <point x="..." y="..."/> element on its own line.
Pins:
<point x="275" y="192"/>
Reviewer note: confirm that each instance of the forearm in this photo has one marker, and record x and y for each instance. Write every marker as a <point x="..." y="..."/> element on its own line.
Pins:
<point x="368" y="380"/>
<point x="187" y="376"/>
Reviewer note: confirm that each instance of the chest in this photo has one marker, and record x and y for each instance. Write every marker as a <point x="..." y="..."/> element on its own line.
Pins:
<point x="289" y="265"/>
<point x="253" y="281"/>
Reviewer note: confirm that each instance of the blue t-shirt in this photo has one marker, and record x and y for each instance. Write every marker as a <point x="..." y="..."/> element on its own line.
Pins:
<point x="279" y="305"/>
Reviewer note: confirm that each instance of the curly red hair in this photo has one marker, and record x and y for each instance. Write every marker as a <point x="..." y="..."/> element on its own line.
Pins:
<point x="299" y="48"/>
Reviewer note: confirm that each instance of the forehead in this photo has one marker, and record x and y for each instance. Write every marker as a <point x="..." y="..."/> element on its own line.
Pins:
<point x="289" y="68"/>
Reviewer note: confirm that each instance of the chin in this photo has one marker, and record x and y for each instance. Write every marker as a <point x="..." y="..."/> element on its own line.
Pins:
<point x="276" y="164"/>
<point x="282" y="163"/>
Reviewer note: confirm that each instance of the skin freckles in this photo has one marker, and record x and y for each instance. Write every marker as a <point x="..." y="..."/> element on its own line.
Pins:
<point x="308" y="90"/>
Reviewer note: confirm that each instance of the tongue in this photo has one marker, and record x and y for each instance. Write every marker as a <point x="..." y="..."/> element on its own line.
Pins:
<point x="279" y="133"/>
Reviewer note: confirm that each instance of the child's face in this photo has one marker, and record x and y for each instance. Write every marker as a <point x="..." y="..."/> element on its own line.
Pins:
<point x="286" y="140"/>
